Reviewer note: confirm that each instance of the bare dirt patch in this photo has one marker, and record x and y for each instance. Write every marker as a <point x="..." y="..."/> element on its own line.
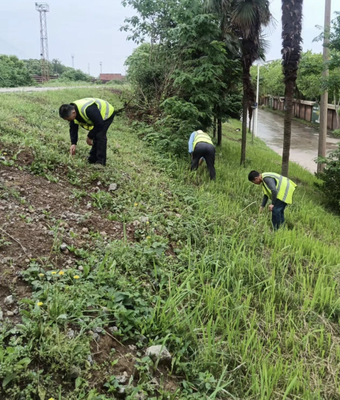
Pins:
<point x="37" y="216"/>
<point x="116" y="359"/>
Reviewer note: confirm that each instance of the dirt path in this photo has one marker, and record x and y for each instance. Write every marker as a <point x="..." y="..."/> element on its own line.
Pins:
<point x="43" y="89"/>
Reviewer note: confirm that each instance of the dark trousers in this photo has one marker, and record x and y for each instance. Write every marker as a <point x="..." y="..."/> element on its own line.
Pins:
<point x="207" y="151"/>
<point x="98" y="150"/>
<point x="278" y="216"/>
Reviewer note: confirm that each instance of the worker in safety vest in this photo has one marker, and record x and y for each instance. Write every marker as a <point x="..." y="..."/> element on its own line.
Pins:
<point x="201" y="148"/>
<point x="279" y="189"/>
<point x="94" y="115"/>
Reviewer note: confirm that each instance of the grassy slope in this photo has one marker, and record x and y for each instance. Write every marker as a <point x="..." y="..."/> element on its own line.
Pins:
<point x="247" y="313"/>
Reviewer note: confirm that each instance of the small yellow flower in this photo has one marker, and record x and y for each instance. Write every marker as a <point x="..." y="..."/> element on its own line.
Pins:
<point x="147" y="222"/>
<point x="41" y="275"/>
<point x="53" y="272"/>
<point x="51" y="398"/>
<point x="61" y="272"/>
<point x="40" y="303"/>
<point x="76" y="277"/>
<point x="148" y="237"/>
<point x="161" y="194"/>
<point x="136" y="204"/>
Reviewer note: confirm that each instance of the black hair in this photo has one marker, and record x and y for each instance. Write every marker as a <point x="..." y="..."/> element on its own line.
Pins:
<point x="65" y="110"/>
<point x="252" y="175"/>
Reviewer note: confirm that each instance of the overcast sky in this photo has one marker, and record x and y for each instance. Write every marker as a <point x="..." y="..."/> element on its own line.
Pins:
<point x="89" y="29"/>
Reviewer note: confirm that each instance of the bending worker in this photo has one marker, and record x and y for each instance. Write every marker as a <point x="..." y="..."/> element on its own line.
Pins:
<point x="279" y="189"/>
<point x="94" y="115"/>
<point x="201" y="148"/>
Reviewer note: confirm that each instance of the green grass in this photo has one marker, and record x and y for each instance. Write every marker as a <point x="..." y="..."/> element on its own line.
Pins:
<point x="246" y="313"/>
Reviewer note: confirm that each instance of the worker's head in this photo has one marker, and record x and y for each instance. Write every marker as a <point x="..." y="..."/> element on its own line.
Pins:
<point x="67" y="112"/>
<point x="255" y="177"/>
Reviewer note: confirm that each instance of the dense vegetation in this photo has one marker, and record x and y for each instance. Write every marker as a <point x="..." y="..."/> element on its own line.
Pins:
<point x="15" y="72"/>
<point x="246" y="314"/>
<point x="188" y="77"/>
<point x="192" y="265"/>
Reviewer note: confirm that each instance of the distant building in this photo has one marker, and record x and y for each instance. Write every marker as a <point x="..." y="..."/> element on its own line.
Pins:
<point x="111" y="77"/>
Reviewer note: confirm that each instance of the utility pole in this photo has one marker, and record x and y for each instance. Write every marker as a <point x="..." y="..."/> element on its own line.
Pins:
<point x="72" y="56"/>
<point x="88" y="68"/>
<point x="254" y="133"/>
<point x="43" y="8"/>
<point x="101" y="65"/>
<point x="324" y="96"/>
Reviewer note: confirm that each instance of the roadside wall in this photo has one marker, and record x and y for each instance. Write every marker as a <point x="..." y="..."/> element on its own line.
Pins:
<point x="307" y="110"/>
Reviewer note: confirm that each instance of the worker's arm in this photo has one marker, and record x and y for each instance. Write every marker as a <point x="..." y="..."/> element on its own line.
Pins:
<point x="191" y="143"/>
<point x="94" y="115"/>
<point x="264" y="202"/>
<point x="74" y="137"/>
<point x="271" y="184"/>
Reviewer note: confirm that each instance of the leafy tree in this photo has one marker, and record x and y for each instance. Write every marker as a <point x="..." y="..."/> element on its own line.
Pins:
<point x="57" y="67"/>
<point x="333" y="82"/>
<point x="309" y="80"/>
<point x="33" y="66"/>
<point x="149" y="74"/>
<point x="271" y="78"/>
<point x="331" y="178"/>
<point x="291" y="51"/>
<point x="71" y="74"/>
<point x="182" y="79"/>
<point x="241" y="24"/>
<point x="13" y="72"/>
<point x="248" y="19"/>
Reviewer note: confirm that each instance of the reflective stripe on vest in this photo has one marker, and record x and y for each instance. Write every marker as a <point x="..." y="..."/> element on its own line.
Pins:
<point x="201" y="137"/>
<point x="106" y="110"/>
<point x="285" y="187"/>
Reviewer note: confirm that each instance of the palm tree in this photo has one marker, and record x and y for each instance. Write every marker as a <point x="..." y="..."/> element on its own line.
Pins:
<point x="291" y="50"/>
<point x="248" y="19"/>
<point x="242" y="22"/>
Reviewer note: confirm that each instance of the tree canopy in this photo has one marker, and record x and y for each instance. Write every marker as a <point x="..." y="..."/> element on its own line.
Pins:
<point x="185" y="76"/>
<point x="13" y="72"/>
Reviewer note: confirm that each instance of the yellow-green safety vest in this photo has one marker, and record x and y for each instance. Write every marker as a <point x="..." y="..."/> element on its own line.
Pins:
<point x="285" y="187"/>
<point x="106" y="110"/>
<point x="201" y="136"/>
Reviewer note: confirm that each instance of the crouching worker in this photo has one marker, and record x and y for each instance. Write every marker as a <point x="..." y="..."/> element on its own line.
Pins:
<point x="201" y="148"/>
<point x="94" y="115"/>
<point x="279" y="189"/>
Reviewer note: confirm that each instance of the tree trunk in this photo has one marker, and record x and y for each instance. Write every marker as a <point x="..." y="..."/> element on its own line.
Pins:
<point x="219" y="132"/>
<point x="249" y="124"/>
<point x="324" y="95"/>
<point x="214" y="128"/>
<point x="244" y="129"/>
<point x="287" y="129"/>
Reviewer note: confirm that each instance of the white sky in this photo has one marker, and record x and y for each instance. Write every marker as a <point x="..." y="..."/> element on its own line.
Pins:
<point x="89" y="29"/>
<point x="313" y="14"/>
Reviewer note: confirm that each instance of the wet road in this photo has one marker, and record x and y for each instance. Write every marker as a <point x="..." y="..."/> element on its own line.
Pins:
<point x="304" y="144"/>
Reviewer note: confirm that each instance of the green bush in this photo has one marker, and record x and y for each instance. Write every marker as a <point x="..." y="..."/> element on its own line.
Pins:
<point x="336" y="133"/>
<point x="331" y="178"/>
<point x="13" y="72"/>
